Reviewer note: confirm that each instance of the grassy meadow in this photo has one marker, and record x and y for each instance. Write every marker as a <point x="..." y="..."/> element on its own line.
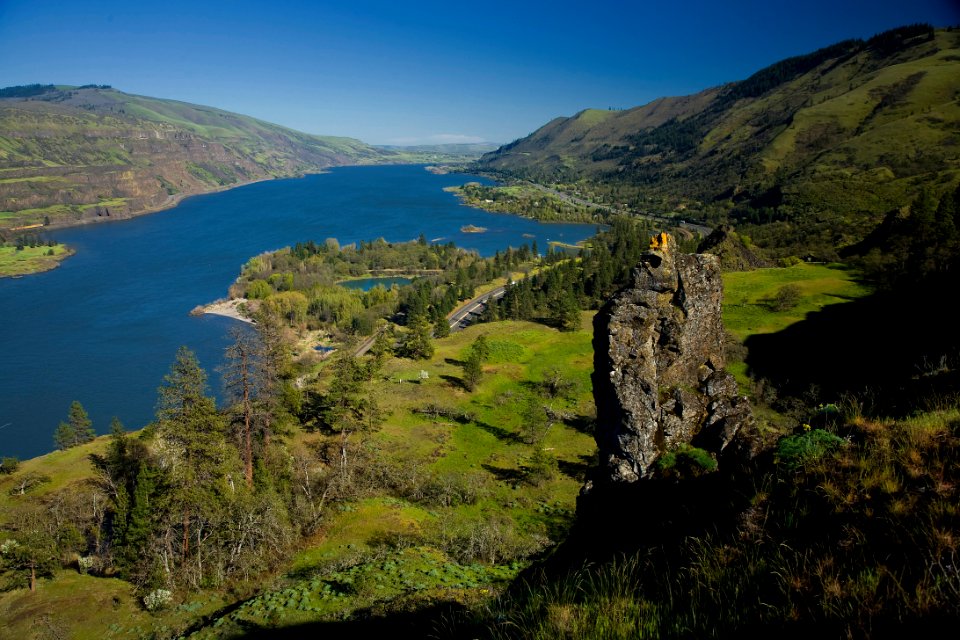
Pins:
<point x="488" y="512"/>
<point x="463" y="499"/>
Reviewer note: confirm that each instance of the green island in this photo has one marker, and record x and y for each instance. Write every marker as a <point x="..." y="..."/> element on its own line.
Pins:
<point x="21" y="259"/>
<point x="528" y="201"/>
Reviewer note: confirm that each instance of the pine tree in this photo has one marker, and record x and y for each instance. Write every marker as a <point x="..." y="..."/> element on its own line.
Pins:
<point x="64" y="437"/>
<point x="81" y="423"/>
<point x="345" y="408"/>
<point x="249" y="380"/>
<point x="142" y="512"/>
<point x="78" y="428"/>
<point x="190" y="433"/>
<point x="441" y="328"/>
<point x="481" y="347"/>
<point x="472" y="370"/>
<point x="565" y="312"/>
<point x="417" y="344"/>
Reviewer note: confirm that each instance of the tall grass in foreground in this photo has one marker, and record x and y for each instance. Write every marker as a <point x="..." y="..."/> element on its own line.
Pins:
<point x="849" y="534"/>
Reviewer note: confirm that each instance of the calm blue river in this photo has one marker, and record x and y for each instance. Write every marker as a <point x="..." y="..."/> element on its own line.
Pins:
<point x="104" y="327"/>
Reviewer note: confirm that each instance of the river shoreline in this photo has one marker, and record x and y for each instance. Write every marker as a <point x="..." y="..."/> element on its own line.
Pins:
<point x="223" y="307"/>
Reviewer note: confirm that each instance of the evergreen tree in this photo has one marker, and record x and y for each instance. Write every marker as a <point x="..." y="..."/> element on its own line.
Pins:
<point x="441" y="328"/>
<point x="565" y="312"/>
<point x="472" y="370"/>
<point x="121" y="514"/>
<point x="947" y="231"/>
<point x="345" y="408"/>
<point x="481" y="347"/>
<point x="64" y="437"/>
<point x="139" y="523"/>
<point x="190" y="434"/>
<point x="491" y="311"/>
<point x="78" y="429"/>
<point x="32" y="554"/>
<point x="534" y="422"/>
<point x="248" y="380"/>
<point x="416" y="342"/>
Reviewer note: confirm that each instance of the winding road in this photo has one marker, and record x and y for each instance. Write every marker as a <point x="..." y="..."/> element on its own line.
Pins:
<point x="461" y="317"/>
<point x="464" y="315"/>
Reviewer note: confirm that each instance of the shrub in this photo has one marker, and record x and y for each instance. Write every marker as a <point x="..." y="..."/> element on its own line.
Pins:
<point x="797" y="450"/>
<point x="686" y="462"/>
<point x="85" y="563"/>
<point x="787" y="297"/>
<point x="157" y="599"/>
<point x="8" y="465"/>
<point x="555" y="384"/>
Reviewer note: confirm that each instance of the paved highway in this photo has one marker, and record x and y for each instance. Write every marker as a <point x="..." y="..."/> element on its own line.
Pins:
<point x="464" y="315"/>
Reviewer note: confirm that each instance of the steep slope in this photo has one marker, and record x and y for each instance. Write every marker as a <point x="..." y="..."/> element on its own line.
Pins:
<point x="70" y="155"/>
<point x="836" y="138"/>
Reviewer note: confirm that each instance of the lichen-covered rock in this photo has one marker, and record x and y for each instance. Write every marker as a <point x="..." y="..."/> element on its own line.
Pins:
<point x="658" y="372"/>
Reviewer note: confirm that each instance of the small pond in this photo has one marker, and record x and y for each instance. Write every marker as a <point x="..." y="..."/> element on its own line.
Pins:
<point x="369" y="283"/>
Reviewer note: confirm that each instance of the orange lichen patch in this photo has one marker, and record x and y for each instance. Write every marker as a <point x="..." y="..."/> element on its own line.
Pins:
<point x="659" y="242"/>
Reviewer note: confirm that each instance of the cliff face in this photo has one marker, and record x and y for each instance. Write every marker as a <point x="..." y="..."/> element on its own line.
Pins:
<point x="658" y="372"/>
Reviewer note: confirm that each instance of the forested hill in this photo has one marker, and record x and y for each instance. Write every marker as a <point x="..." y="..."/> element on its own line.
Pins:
<point x="72" y="154"/>
<point x="822" y="144"/>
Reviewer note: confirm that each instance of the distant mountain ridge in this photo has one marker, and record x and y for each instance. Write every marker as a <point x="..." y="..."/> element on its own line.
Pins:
<point x="75" y="154"/>
<point x="826" y="142"/>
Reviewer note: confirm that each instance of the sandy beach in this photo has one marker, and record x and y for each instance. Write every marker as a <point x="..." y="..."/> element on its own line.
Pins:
<point x="228" y="308"/>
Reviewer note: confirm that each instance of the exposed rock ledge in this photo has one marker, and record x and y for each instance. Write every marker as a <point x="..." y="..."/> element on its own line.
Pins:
<point x="658" y="372"/>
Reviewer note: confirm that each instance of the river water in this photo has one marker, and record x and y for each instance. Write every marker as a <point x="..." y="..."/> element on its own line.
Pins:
<point x="104" y="327"/>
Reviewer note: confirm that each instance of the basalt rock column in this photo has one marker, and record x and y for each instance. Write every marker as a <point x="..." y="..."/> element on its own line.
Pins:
<point x="658" y="372"/>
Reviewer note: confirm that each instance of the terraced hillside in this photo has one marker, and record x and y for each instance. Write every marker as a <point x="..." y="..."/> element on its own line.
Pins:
<point x="70" y="155"/>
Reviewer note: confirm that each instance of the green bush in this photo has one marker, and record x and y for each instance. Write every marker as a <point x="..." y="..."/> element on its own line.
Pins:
<point x="786" y="298"/>
<point x="795" y="451"/>
<point x="8" y="465"/>
<point x="686" y="462"/>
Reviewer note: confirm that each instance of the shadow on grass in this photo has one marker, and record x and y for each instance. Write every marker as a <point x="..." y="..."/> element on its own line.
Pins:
<point x="454" y="381"/>
<point x="582" y="424"/>
<point x="889" y="343"/>
<point x="505" y="474"/>
<point x="501" y="434"/>
<point x="577" y="470"/>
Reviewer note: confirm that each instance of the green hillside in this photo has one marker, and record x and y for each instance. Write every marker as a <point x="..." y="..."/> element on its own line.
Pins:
<point x="820" y="145"/>
<point x="75" y="154"/>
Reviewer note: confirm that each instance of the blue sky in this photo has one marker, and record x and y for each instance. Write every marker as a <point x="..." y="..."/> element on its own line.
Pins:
<point x="419" y="72"/>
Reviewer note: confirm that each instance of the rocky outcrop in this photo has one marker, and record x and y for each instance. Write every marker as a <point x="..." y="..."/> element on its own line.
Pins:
<point x="659" y="381"/>
<point x="733" y="252"/>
